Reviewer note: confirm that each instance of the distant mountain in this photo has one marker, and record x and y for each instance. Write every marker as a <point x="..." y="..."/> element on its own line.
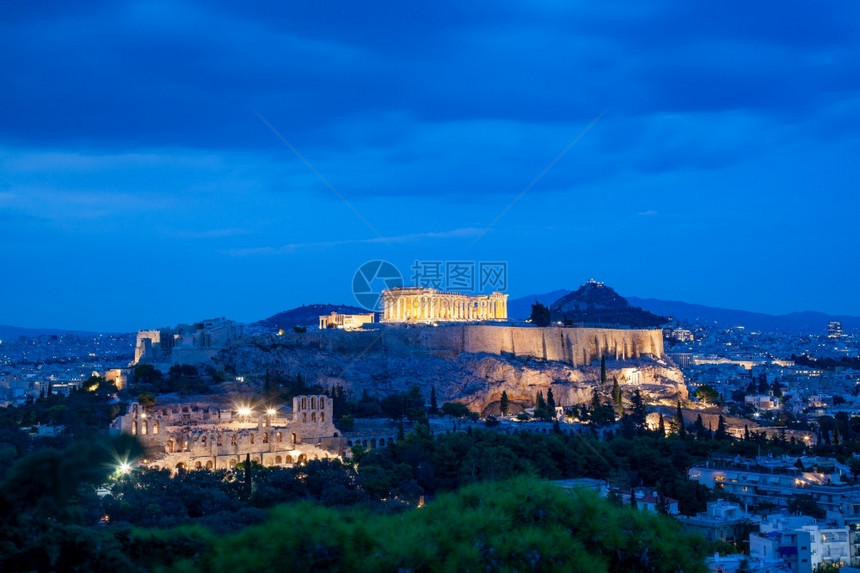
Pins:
<point x="306" y="315"/>
<point x="11" y="332"/>
<point x="521" y="308"/>
<point x="807" y="322"/>
<point x="594" y="303"/>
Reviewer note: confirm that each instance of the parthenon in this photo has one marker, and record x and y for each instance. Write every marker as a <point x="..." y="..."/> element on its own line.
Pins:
<point x="419" y="304"/>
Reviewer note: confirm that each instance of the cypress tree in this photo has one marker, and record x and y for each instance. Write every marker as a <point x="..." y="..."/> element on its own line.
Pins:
<point x="637" y="411"/>
<point x="550" y="402"/>
<point x="603" y="370"/>
<point x="699" y="426"/>
<point x="661" y="427"/>
<point x="746" y="432"/>
<point x="679" y="421"/>
<point x="248" y="476"/>
<point x="540" y="403"/>
<point x="504" y="403"/>
<point x="434" y="405"/>
<point x="617" y="396"/>
<point x="721" y="434"/>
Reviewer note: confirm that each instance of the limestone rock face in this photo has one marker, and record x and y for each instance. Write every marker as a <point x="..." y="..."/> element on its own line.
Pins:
<point x="476" y="380"/>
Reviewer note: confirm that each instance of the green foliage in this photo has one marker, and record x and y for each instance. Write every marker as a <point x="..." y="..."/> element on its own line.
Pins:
<point x="617" y="397"/>
<point x="540" y="315"/>
<point x="504" y="403"/>
<point x="146" y="399"/>
<point x="455" y="410"/>
<point x="516" y="525"/>
<point x="146" y="374"/>
<point x="707" y="394"/>
<point x="806" y="505"/>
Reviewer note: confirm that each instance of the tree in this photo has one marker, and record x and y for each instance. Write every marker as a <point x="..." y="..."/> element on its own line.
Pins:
<point x="722" y="433"/>
<point x="504" y="403"/>
<point x="806" y="505"/>
<point x="540" y="403"/>
<point x="434" y="405"/>
<point x="550" y="402"/>
<point x="617" y="396"/>
<point x="699" y="427"/>
<point x="603" y="371"/>
<point x="661" y="427"/>
<point x="146" y="400"/>
<point x="679" y="421"/>
<point x="637" y="411"/>
<point x="455" y="410"/>
<point x="707" y="394"/>
<point x="540" y="315"/>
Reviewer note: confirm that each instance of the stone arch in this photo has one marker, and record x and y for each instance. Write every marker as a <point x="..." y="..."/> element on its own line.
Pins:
<point x="180" y="466"/>
<point x="209" y="465"/>
<point x="373" y="442"/>
<point x="203" y="441"/>
<point x="280" y="437"/>
<point x="134" y="409"/>
<point x="304" y="403"/>
<point x="322" y="402"/>
<point x="155" y="427"/>
<point x="220" y="440"/>
<point x="233" y="463"/>
<point x="288" y="459"/>
<point x="170" y="446"/>
<point x="134" y="428"/>
<point x="302" y="459"/>
<point x="198" y="465"/>
<point x="234" y="440"/>
<point x="265" y="437"/>
<point x="313" y="403"/>
<point x="313" y="416"/>
<point x="294" y="438"/>
<point x="322" y="416"/>
<point x="144" y="429"/>
<point x="279" y="460"/>
<point x="252" y="438"/>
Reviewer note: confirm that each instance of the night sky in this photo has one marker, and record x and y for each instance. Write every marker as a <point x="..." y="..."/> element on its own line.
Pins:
<point x="142" y="181"/>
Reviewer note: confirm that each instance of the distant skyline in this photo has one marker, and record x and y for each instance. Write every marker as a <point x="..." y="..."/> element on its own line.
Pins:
<point x="139" y="186"/>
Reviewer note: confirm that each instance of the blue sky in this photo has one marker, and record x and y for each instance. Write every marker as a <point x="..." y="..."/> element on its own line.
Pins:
<point x="140" y="188"/>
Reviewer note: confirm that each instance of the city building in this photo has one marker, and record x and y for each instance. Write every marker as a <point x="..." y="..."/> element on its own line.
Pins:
<point x="834" y="329"/>
<point x="722" y="521"/>
<point x="793" y="547"/>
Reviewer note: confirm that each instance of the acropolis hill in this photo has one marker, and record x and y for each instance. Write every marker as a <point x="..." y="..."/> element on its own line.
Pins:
<point x="467" y="361"/>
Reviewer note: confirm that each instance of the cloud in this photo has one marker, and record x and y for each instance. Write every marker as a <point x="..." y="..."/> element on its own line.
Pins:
<point x="408" y="238"/>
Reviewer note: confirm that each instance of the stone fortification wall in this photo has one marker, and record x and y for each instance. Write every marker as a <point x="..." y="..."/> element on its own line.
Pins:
<point x="574" y="346"/>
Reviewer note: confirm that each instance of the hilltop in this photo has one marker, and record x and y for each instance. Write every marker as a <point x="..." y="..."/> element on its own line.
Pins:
<point x="594" y="303"/>
<point x="305" y="315"/>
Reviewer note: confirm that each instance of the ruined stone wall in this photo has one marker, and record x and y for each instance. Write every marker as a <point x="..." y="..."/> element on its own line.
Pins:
<point x="205" y="435"/>
<point x="574" y="346"/>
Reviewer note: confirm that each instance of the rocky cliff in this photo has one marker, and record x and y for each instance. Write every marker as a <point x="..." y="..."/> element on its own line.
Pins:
<point x="475" y="379"/>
